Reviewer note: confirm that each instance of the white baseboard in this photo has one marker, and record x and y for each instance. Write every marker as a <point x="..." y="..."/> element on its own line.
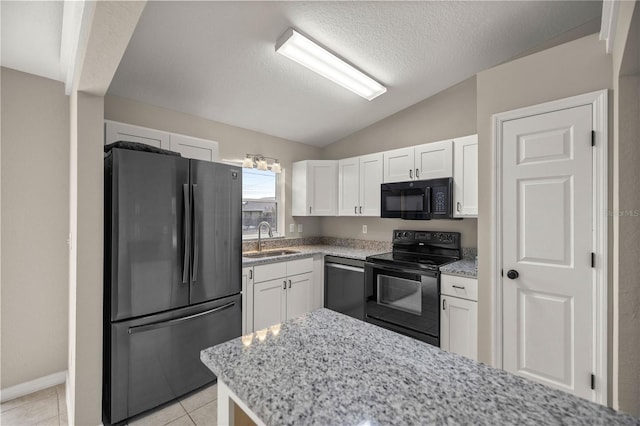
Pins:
<point x="31" y="386"/>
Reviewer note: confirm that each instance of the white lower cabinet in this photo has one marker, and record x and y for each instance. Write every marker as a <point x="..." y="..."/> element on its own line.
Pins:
<point x="247" y="300"/>
<point x="459" y="315"/>
<point x="280" y="291"/>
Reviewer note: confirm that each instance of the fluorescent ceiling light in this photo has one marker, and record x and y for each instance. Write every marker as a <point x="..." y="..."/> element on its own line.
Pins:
<point x="306" y="52"/>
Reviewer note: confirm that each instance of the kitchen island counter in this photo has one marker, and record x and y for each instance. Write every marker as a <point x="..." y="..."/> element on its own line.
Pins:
<point x="326" y="368"/>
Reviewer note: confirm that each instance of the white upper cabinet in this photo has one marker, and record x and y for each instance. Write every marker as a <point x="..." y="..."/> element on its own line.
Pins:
<point x="187" y="146"/>
<point x="348" y="186"/>
<point x="398" y="165"/>
<point x="370" y="180"/>
<point x="433" y="160"/>
<point x="315" y="188"/>
<point x="114" y="132"/>
<point x="196" y="148"/>
<point x="359" y="180"/>
<point x="428" y="161"/>
<point x="465" y="176"/>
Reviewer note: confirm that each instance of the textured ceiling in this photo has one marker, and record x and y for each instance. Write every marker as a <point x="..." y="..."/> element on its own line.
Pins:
<point x="31" y="36"/>
<point x="217" y="60"/>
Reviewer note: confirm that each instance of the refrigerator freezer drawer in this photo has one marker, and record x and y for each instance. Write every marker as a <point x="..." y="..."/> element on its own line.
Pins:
<point x="157" y="359"/>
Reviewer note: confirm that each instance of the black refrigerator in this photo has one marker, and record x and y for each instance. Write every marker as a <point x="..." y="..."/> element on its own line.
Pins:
<point x="172" y="275"/>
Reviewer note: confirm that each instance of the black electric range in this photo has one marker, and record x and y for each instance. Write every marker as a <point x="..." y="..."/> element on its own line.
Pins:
<point x="403" y="287"/>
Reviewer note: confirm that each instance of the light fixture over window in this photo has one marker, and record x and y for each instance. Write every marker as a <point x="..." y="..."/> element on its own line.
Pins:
<point x="306" y="52"/>
<point x="259" y="161"/>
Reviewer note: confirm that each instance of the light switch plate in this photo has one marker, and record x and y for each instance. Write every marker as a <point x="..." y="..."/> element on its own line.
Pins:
<point x="364" y="229"/>
<point x="299" y="227"/>
<point x="292" y="227"/>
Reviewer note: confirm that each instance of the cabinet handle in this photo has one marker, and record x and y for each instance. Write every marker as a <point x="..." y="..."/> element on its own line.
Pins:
<point x="444" y="304"/>
<point x="410" y="174"/>
<point x="458" y="287"/>
<point x="250" y="274"/>
<point x="289" y="283"/>
<point x="417" y="173"/>
<point x="309" y="209"/>
<point x="458" y="206"/>
<point x="360" y="209"/>
<point x="355" y="209"/>
<point x="285" y="285"/>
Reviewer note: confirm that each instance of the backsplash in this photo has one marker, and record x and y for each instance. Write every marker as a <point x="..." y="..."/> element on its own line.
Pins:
<point x="331" y="241"/>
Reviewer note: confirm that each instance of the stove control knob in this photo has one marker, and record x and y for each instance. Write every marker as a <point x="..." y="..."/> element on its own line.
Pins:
<point x="406" y="234"/>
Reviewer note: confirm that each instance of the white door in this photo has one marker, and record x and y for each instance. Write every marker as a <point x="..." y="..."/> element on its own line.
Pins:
<point x="434" y="160"/>
<point x="398" y="165"/>
<point x="299" y="295"/>
<point x="269" y="303"/>
<point x="196" y="148"/>
<point x="370" y="180"/>
<point x="547" y="236"/>
<point x="465" y="176"/>
<point x="114" y="132"/>
<point x="348" y="186"/>
<point x="459" y="326"/>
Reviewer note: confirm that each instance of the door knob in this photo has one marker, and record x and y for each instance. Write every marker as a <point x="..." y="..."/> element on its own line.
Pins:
<point x="512" y="274"/>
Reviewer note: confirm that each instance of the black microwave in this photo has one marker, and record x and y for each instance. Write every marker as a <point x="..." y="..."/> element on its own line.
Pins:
<point x="417" y="199"/>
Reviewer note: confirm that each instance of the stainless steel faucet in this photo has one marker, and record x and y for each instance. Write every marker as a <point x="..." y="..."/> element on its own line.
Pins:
<point x="260" y="233"/>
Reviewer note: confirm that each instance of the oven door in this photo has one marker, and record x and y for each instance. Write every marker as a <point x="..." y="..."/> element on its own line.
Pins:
<point x="406" y="200"/>
<point x="404" y="300"/>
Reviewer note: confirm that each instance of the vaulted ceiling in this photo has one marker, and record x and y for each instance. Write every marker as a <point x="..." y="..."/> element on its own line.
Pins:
<point x="217" y="59"/>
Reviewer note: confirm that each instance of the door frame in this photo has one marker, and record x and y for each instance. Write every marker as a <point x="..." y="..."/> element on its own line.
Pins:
<point x="598" y="100"/>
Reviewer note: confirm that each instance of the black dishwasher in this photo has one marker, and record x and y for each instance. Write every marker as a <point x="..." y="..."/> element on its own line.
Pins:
<point x="344" y="289"/>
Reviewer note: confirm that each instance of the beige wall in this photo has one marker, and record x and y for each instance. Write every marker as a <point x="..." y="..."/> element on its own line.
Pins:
<point x="448" y="114"/>
<point x="570" y="69"/>
<point x="626" y="202"/>
<point x="35" y="193"/>
<point x="234" y="143"/>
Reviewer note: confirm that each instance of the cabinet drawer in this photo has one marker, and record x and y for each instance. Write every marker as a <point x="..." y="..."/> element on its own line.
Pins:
<point x="270" y="271"/>
<point x="300" y="266"/>
<point x="463" y="287"/>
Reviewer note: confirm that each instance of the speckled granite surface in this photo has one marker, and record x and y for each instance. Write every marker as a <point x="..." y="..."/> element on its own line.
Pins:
<point x="310" y="250"/>
<point x="464" y="267"/>
<point x="325" y="368"/>
<point x="269" y="244"/>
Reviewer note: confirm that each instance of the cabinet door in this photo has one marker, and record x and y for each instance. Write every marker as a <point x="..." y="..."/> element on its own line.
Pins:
<point x="114" y="132"/>
<point x="269" y="303"/>
<point x="299" y="294"/>
<point x="398" y="165"/>
<point x="465" y="176"/>
<point x="299" y="187"/>
<point x="247" y="300"/>
<point x="459" y="326"/>
<point x="434" y="160"/>
<point x="322" y="186"/>
<point x="370" y="180"/>
<point x="349" y="186"/>
<point x="195" y="148"/>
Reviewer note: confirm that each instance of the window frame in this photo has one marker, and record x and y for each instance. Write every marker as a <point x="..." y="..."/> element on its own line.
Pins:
<point x="280" y="206"/>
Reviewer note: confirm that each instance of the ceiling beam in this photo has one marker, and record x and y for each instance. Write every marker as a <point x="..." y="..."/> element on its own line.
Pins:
<point x="105" y="31"/>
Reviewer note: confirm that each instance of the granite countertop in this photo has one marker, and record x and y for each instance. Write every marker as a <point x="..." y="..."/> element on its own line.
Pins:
<point x="464" y="268"/>
<point x="327" y="368"/>
<point x="310" y="250"/>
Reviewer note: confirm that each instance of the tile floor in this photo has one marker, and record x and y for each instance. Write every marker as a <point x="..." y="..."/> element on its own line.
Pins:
<point x="48" y="408"/>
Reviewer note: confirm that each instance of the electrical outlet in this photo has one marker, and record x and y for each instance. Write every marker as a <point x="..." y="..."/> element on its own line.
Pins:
<point x="292" y="227"/>
<point x="364" y="229"/>
<point x="299" y="227"/>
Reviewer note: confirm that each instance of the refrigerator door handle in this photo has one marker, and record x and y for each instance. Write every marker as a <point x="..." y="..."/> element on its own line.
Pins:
<point x="194" y="264"/>
<point x="161" y="324"/>
<point x="185" y="233"/>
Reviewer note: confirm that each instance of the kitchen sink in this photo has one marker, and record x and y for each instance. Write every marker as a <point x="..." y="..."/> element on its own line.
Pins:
<point x="270" y="253"/>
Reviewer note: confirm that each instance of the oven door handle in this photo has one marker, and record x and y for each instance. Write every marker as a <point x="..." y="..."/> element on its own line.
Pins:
<point x="404" y="270"/>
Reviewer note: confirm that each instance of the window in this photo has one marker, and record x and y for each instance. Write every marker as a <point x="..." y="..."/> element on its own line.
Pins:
<point x="259" y="200"/>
